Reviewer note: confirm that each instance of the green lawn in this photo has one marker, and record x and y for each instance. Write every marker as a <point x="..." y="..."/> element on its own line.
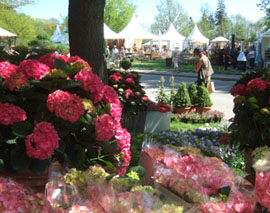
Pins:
<point x="160" y="65"/>
<point x="181" y="126"/>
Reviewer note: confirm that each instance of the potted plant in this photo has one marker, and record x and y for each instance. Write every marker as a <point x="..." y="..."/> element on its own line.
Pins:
<point x="125" y="64"/>
<point x="192" y="91"/>
<point x="203" y="101"/>
<point x="181" y="101"/>
<point x="56" y="108"/>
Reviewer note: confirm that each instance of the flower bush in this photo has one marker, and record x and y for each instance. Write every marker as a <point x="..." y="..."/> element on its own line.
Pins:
<point x="181" y="98"/>
<point x="161" y="107"/>
<point x="194" y="117"/>
<point x="57" y="108"/>
<point x="130" y="92"/>
<point x="251" y="124"/>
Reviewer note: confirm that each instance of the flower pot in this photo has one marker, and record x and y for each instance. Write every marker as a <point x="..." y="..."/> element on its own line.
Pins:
<point x="36" y="182"/>
<point x="202" y="110"/>
<point x="182" y="110"/>
<point x="192" y="109"/>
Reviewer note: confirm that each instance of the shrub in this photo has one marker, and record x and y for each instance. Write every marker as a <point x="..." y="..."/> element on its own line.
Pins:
<point x="192" y="90"/>
<point x="203" y="98"/>
<point x="125" y="64"/>
<point x="182" y="99"/>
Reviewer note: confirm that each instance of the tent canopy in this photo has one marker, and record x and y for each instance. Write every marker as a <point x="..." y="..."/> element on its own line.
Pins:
<point x="264" y="39"/>
<point x="56" y="34"/>
<point x="109" y="34"/>
<point x="220" y="39"/>
<point x="6" y="34"/>
<point x="196" y="36"/>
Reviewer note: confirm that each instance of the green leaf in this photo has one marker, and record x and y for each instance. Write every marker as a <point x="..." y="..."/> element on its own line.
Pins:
<point x="62" y="147"/>
<point x="38" y="166"/>
<point x="19" y="159"/>
<point x="139" y="169"/>
<point x="12" y="141"/>
<point x="252" y="100"/>
<point x="11" y="98"/>
<point x="48" y="85"/>
<point x="22" y="129"/>
<point x="108" y="163"/>
<point x="225" y="190"/>
<point x="59" y="64"/>
<point x="70" y="84"/>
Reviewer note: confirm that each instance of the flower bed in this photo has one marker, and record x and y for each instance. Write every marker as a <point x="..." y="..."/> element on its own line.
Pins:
<point x="194" y="117"/>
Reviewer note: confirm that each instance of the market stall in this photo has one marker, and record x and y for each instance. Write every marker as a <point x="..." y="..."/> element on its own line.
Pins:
<point x="7" y="36"/>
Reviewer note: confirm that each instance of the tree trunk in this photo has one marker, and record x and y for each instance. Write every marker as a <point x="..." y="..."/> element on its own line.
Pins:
<point x="86" y="33"/>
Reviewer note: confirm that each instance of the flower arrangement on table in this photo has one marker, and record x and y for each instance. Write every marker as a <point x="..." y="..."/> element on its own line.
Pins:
<point x="130" y="91"/>
<point x="195" y="117"/>
<point x="56" y="108"/>
<point x="251" y="123"/>
<point x="101" y="192"/>
<point x="202" y="180"/>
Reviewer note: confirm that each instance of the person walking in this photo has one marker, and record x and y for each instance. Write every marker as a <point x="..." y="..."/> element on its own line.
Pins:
<point x="115" y="53"/>
<point x="251" y="57"/>
<point x="203" y="68"/>
<point x="175" y="60"/>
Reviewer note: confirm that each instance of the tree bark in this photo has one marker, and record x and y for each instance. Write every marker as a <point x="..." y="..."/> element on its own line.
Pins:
<point x="86" y="33"/>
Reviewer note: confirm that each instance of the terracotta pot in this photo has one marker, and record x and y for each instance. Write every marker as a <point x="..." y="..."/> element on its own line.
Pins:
<point x="36" y="182"/>
<point x="202" y="110"/>
<point x="192" y="109"/>
<point x="181" y="110"/>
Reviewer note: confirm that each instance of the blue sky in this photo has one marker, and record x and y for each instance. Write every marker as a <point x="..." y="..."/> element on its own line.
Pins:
<point x="146" y="9"/>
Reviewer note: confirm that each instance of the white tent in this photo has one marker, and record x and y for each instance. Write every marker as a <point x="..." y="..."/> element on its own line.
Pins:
<point x="6" y="34"/>
<point x="175" y="39"/>
<point x="196" y="37"/>
<point x="56" y="34"/>
<point x="134" y="33"/>
<point x="63" y="38"/>
<point x="264" y="39"/>
<point x="220" y="39"/>
<point x="109" y="34"/>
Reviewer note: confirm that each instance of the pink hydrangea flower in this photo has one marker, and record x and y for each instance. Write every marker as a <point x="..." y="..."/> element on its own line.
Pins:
<point x="239" y="89"/>
<point x="256" y="84"/>
<point x="16" y="80"/>
<point x="42" y="142"/>
<point x="7" y="69"/>
<point x="128" y="93"/>
<point x="91" y="83"/>
<point x="123" y="138"/>
<point x="104" y="127"/>
<point x="48" y="59"/>
<point x="33" y="69"/>
<point x="65" y="105"/>
<point x="212" y="207"/>
<point x="110" y="96"/>
<point x="129" y="81"/>
<point x="116" y="112"/>
<point x="115" y="77"/>
<point x="262" y="188"/>
<point x="79" y="64"/>
<point x="10" y="114"/>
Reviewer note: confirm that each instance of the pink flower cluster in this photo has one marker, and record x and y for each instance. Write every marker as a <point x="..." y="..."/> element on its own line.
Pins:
<point x="10" y="114"/>
<point x="104" y="127"/>
<point x="115" y="77"/>
<point x="161" y="107"/>
<point x="13" y="198"/>
<point x="110" y="96"/>
<point x="48" y="59"/>
<point x="42" y="142"/>
<point x="7" y="69"/>
<point x="91" y="83"/>
<point x="79" y="64"/>
<point x="65" y="105"/>
<point x="129" y="81"/>
<point x="262" y="188"/>
<point x="256" y="85"/>
<point x="33" y="69"/>
<point x="128" y="93"/>
<point x="17" y="80"/>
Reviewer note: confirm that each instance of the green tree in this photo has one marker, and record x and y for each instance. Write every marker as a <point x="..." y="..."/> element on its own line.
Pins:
<point x="118" y="13"/>
<point x="206" y="24"/>
<point x="240" y="27"/>
<point x="220" y="12"/>
<point x="264" y="5"/>
<point x="171" y="11"/>
<point x="12" y="4"/>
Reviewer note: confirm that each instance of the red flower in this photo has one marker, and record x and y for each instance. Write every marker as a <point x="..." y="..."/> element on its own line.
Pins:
<point x="10" y="114"/>
<point x="66" y="106"/>
<point x="162" y="107"/>
<point x="256" y="84"/>
<point x="239" y="89"/>
<point x="7" y="69"/>
<point x="114" y="78"/>
<point x="17" y="80"/>
<point x="33" y="69"/>
<point x="42" y="143"/>
<point x="145" y="98"/>
<point x="116" y="112"/>
<point x="48" y="59"/>
<point x="224" y="138"/>
<point x="104" y="128"/>
<point x="129" y="81"/>
<point x="128" y="93"/>
<point x="91" y="83"/>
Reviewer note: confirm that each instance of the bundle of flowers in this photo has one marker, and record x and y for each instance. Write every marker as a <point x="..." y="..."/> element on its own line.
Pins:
<point x="101" y="192"/>
<point x="195" y="117"/>
<point x="57" y="108"/>
<point x="161" y="107"/>
<point x="130" y="91"/>
<point x="198" y="179"/>
<point x="252" y="112"/>
<point x="15" y="198"/>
